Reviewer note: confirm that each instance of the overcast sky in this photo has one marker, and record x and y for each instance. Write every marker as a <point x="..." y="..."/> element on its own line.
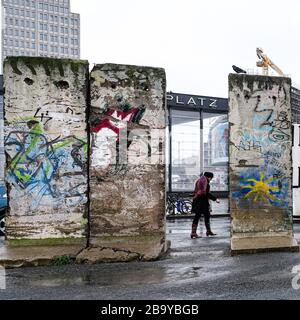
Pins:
<point x="196" y="41"/>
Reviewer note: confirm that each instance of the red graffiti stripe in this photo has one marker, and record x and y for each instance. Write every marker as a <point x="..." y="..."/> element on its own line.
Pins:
<point x="116" y="114"/>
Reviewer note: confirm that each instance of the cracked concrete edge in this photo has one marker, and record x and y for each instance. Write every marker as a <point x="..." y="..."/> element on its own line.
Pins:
<point x="81" y="256"/>
<point x="106" y="254"/>
<point x="54" y="255"/>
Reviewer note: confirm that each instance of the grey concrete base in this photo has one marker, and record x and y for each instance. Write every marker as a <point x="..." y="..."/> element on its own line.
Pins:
<point x="122" y="249"/>
<point x="33" y="256"/>
<point x="253" y="244"/>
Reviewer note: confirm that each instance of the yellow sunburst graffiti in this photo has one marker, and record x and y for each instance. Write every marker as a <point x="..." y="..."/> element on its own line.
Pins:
<point x="261" y="190"/>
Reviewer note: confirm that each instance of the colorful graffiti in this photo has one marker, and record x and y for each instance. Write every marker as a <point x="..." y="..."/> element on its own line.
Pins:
<point x="261" y="148"/>
<point x="117" y="116"/>
<point x="36" y="163"/>
<point x="112" y="136"/>
<point x="259" y="189"/>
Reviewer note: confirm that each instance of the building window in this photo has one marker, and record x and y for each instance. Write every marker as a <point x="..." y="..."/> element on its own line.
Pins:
<point x="195" y="150"/>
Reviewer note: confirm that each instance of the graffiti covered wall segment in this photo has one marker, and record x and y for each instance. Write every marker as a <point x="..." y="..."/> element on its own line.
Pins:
<point x="46" y="147"/>
<point x="127" y="167"/>
<point x="260" y="157"/>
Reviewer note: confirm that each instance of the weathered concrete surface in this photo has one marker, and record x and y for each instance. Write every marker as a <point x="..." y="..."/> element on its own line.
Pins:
<point x="296" y="169"/>
<point x="33" y="256"/>
<point x="127" y="167"/>
<point x="46" y="148"/>
<point x="260" y="163"/>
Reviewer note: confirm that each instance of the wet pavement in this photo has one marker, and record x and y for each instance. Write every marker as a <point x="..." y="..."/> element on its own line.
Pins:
<point x="193" y="269"/>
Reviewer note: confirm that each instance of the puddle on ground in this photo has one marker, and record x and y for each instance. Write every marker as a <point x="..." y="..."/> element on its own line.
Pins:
<point x="109" y="278"/>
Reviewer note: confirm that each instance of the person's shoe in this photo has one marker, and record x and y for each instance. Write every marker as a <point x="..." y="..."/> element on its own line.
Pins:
<point x="195" y="236"/>
<point x="210" y="234"/>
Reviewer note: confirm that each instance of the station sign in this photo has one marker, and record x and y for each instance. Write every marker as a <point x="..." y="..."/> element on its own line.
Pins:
<point x="203" y="102"/>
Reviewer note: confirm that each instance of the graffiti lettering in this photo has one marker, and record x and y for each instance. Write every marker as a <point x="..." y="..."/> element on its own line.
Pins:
<point x="264" y="110"/>
<point x="248" y="145"/>
<point x="35" y="162"/>
<point x="42" y="116"/>
<point x="69" y="110"/>
<point x="279" y="127"/>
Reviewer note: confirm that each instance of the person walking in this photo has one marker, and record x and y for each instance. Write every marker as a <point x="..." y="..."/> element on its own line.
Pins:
<point x="201" y="204"/>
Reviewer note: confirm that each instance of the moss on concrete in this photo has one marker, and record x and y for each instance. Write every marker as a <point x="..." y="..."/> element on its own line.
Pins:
<point x="146" y="237"/>
<point x="49" y="64"/>
<point x="139" y="77"/>
<point x="61" y="261"/>
<point x="45" y="242"/>
<point x="238" y="80"/>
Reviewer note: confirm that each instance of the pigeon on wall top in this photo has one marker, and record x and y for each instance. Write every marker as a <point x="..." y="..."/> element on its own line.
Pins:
<point x="238" y="70"/>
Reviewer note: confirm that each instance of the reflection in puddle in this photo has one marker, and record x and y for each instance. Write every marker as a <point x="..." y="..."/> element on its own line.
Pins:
<point x="108" y="278"/>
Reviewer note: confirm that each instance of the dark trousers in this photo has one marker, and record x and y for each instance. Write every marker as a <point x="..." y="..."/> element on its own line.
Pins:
<point x="206" y="219"/>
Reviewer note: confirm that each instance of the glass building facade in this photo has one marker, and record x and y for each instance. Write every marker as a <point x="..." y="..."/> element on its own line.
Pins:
<point x="44" y="28"/>
<point x="198" y="142"/>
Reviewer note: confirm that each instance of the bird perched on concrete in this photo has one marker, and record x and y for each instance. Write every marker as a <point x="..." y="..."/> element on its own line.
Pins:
<point x="238" y="70"/>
